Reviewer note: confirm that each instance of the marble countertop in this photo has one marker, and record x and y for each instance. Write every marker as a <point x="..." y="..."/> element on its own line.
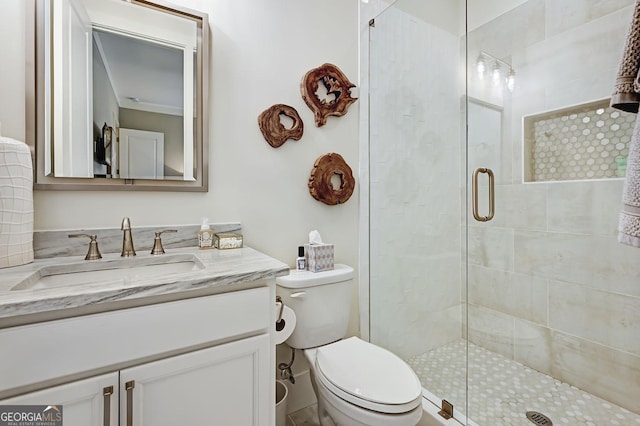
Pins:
<point x="222" y="270"/>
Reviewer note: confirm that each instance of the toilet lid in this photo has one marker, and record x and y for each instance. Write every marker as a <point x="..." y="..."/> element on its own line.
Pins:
<point x="368" y="376"/>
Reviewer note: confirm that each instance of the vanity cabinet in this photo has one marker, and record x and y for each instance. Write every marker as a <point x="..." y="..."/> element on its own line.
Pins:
<point x="218" y="385"/>
<point x="199" y="361"/>
<point x="215" y="386"/>
<point x="87" y="402"/>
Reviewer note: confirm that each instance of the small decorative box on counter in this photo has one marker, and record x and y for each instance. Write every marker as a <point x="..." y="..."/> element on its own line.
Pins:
<point x="224" y="241"/>
<point x="319" y="257"/>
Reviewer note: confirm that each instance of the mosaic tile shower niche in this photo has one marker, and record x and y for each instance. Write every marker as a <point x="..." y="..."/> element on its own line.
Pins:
<point x="588" y="141"/>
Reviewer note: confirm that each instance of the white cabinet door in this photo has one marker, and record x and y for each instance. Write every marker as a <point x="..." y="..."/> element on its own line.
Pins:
<point x="222" y="385"/>
<point x="86" y="402"/>
<point x="141" y="154"/>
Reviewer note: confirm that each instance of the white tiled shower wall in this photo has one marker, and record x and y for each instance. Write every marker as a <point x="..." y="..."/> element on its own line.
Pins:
<point x="549" y="285"/>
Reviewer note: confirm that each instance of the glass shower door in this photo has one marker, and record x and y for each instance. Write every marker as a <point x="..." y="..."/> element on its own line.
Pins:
<point x="417" y="192"/>
<point x="533" y="315"/>
<point x="553" y="298"/>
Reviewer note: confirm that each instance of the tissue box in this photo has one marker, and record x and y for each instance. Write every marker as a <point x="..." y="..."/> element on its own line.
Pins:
<point x="224" y="241"/>
<point x="319" y="257"/>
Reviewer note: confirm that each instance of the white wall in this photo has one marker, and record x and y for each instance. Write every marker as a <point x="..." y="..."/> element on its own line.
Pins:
<point x="260" y="51"/>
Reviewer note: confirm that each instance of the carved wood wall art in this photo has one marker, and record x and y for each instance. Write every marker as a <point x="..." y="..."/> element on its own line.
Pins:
<point x="337" y="85"/>
<point x="274" y="132"/>
<point x="320" y="185"/>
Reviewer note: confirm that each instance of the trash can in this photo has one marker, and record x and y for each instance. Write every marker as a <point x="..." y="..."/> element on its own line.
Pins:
<point x="281" y="403"/>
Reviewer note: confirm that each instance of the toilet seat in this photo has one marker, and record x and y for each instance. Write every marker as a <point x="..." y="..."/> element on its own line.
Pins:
<point x="368" y="376"/>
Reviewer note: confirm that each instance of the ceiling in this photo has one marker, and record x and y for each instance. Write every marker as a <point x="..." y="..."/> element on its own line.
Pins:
<point x="144" y="75"/>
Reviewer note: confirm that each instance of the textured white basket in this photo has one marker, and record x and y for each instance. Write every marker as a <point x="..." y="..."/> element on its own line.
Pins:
<point x="16" y="203"/>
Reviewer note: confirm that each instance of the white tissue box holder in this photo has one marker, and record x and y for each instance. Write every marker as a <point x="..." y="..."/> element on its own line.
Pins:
<point x="319" y="257"/>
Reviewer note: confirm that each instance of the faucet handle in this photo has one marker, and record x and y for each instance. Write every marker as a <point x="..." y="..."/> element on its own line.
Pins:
<point x="157" y="241"/>
<point x="94" y="252"/>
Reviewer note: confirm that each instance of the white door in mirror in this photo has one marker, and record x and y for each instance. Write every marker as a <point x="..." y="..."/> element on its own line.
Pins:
<point x="141" y="154"/>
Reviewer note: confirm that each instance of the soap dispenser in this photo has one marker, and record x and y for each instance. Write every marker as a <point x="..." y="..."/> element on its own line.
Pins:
<point x="205" y="235"/>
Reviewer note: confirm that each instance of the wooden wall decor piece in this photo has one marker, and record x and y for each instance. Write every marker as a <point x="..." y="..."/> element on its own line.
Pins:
<point x="272" y="128"/>
<point x="320" y="185"/>
<point x="336" y="84"/>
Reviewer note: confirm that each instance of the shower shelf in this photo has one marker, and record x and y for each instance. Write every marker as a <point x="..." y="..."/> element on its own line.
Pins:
<point x="582" y="142"/>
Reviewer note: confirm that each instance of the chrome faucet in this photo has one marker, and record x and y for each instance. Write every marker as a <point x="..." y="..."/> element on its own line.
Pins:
<point x="127" y="239"/>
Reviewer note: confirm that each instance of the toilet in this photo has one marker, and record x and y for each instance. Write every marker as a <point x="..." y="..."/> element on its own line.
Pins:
<point x="356" y="382"/>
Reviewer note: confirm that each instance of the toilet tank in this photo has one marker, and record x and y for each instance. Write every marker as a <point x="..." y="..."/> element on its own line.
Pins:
<point x="321" y="302"/>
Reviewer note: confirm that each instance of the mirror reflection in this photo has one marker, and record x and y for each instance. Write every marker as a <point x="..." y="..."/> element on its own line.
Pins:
<point x="138" y="89"/>
<point x="123" y="95"/>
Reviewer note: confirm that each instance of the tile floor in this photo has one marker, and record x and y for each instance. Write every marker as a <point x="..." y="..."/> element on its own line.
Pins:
<point x="306" y="417"/>
<point x="502" y="390"/>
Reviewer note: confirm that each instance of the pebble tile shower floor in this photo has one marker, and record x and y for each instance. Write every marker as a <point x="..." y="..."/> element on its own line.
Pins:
<point x="502" y="390"/>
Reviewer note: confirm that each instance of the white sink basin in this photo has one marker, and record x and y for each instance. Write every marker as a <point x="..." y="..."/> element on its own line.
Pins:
<point x="120" y="269"/>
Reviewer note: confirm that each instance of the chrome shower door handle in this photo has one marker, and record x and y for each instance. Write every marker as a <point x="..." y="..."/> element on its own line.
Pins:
<point x="474" y="184"/>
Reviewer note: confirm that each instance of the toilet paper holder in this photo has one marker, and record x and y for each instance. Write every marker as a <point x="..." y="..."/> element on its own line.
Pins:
<point x="279" y="322"/>
<point x="285" y="321"/>
<point x="285" y="369"/>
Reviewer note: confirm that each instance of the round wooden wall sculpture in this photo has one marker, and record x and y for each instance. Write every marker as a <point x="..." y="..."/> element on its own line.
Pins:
<point x="336" y="84"/>
<point x="272" y="128"/>
<point x="320" y="185"/>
